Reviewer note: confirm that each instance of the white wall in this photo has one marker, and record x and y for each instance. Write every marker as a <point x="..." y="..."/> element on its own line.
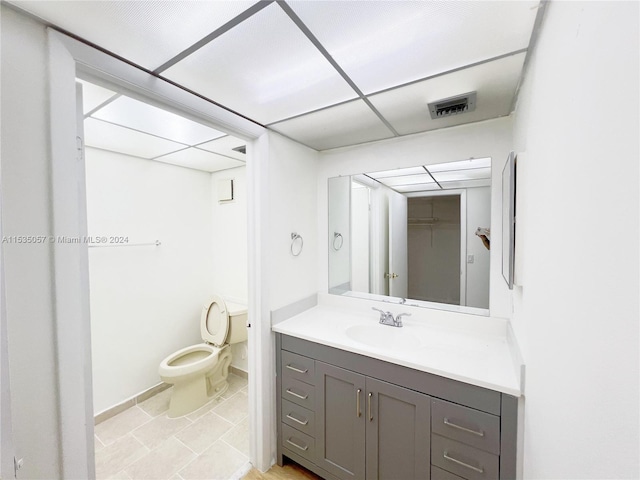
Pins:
<point x="478" y="272"/>
<point x="360" y="230"/>
<point x="292" y="204"/>
<point x="229" y="243"/>
<point x="576" y="315"/>
<point x="491" y="138"/>
<point x="26" y="191"/>
<point x="339" y="221"/>
<point x="145" y="301"/>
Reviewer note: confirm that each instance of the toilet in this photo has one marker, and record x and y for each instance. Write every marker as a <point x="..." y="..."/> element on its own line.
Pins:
<point x="199" y="373"/>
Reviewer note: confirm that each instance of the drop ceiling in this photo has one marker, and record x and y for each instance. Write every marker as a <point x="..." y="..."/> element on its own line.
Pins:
<point x="325" y="73"/>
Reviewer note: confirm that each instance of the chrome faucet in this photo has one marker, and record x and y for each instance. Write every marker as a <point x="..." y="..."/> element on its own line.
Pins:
<point x="386" y="318"/>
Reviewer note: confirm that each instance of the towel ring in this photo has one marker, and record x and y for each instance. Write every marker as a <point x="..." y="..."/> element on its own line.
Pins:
<point x="295" y="250"/>
<point x="338" y="240"/>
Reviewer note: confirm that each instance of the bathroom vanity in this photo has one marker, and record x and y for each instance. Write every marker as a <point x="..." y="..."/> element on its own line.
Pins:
<point x="360" y="400"/>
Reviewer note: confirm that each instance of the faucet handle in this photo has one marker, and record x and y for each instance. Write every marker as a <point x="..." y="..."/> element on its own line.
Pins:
<point x="383" y="314"/>
<point x="399" y="318"/>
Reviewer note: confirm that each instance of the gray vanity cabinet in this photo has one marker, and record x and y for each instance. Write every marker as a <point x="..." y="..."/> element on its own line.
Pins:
<point x="350" y="417"/>
<point x="398" y="432"/>
<point x="370" y="429"/>
<point x="340" y="422"/>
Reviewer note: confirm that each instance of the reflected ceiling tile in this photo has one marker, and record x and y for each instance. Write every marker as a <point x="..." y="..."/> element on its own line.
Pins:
<point x="469" y="174"/>
<point x="147" y="118"/>
<point x="417" y="188"/>
<point x="413" y="40"/>
<point x="397" y="172"/>
<point x="265" y="68"/>
<point x="407" y="180"/>
<point x="460" y="165"/>
<point x="148" y="33"/>
<point x="200" y="160"/>
<point x="119" y="139"/>
<point x="495" y="83"/>
<point x="346" y="124"/>
<point x="93" y="95"/>
<point x="225" y="146"/>
<point x="485" y="182"/>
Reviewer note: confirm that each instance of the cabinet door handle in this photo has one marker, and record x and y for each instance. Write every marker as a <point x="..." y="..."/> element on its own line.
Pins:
<point x="358" y="412"/>
<point x="303" y="448"/>
<point x="297" y="370"/>
<point x="466" y="465"/>
<point x="369" y="406"/>
<point x="289" y="416"/>
<point x="297" y="395"/>
<point x="474" y="432"/>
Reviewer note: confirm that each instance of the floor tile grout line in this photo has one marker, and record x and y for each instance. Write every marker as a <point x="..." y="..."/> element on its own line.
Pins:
<point x="188" y="447"/>
<point x="237" y="450"/>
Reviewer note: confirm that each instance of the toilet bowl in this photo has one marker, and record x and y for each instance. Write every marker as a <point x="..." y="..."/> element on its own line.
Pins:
<point x="199" y="372"/>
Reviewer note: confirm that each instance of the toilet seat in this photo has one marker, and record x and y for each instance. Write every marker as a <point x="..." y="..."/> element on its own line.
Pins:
<point x="214" y="321"/>
<point x="166" y="368"/>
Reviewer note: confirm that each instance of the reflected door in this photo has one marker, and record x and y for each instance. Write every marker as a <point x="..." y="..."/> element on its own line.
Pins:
<point x="398" y="273"/>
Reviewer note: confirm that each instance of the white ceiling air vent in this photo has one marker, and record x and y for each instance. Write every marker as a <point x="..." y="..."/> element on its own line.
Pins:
<point x="453" y="105"/>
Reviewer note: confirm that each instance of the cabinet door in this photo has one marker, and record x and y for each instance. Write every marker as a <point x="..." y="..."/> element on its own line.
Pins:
<point x="340" y="422"/>
<point x="398" y="432"/>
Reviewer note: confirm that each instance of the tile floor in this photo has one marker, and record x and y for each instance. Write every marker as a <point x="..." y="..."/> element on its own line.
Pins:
<point x="211" y="443"/>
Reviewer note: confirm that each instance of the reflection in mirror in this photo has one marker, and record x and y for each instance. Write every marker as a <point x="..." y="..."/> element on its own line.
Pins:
<point x="416" y="235"/>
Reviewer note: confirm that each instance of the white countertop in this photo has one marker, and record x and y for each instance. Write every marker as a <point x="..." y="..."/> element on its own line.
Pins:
<point x="471" y="349"/>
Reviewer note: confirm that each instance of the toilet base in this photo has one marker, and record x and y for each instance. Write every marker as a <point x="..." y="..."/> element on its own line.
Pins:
<point x="192" y="393"/>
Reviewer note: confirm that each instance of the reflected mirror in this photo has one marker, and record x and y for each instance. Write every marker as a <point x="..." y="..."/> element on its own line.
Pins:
<point x="419" y="235"/>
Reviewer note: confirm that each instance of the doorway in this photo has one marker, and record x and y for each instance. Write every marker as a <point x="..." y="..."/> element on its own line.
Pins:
<point x="433" y="241"/>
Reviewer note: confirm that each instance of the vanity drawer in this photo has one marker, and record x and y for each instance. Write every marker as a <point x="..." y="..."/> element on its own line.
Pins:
<point x="298" y="442"/>
<point x="463" y="460"/>
<point x="299" y="367"/>
<point x="298" y="417"/>
<point x="298" y="392"/>
<point x="475" y="428"/>
<point x="439" y="474"/>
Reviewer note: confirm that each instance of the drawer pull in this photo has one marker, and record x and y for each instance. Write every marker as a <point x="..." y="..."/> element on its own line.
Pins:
<point x="297" y="370"/>
<point x="289" y="416"/>
<point x="303" y="448"/>
<point x="358" y="412"/>
<point x="455" y="460"/>
<point x="474" y="432"/>
<point x="297" y="395"/>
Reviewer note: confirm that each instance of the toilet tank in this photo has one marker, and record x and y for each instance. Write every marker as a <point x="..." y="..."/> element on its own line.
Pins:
<point x="237" y="323"/>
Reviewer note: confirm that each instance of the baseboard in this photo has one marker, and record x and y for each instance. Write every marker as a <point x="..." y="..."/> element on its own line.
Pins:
<point x="121" y="407"/>
<point x="239" y="372"/>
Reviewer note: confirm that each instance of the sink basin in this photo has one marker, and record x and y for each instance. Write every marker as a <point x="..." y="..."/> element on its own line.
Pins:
<point x="383" y="336"/>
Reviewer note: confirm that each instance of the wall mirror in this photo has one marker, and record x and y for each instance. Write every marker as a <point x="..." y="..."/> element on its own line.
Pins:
<point x="417" y="236"/>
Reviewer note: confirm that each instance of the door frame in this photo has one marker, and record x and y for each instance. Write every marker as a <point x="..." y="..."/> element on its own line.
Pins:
<point x="67" y="59"/>
<point x="463" y="232"/>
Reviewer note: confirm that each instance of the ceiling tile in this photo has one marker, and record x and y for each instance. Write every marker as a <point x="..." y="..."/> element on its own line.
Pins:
<point x="423" y="187"/>
<point x="225" y="146"/>
<point x="407" y="180"/>
<point x="381" y="44"/>
<point x="156" y="121"/>
<point x="148" y="33"/>
<point x="346" y="124"/>
<point x="93" y="95"/>
<point x="265" y="68"/>
<point x="119" y="139"/>
<point x="460" y="165"/>
<point x="398" y="172"/>
<point x="484" y="182"/>
<point x="495" y="82"/>
<point x="459" y="175"/>
<point x="200" y="160"/>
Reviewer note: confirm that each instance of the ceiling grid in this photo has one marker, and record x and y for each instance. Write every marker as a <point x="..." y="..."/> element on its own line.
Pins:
<point x="324" y="73"/>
